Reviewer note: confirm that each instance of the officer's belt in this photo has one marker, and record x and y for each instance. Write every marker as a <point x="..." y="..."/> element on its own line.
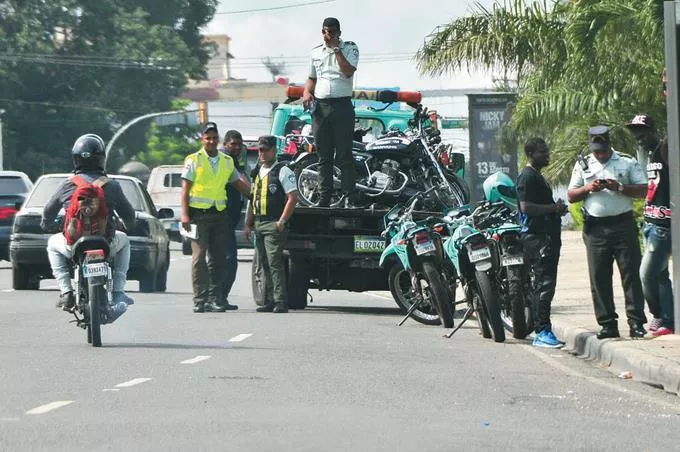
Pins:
<point x="334" y="100"/>
<point x="608" y="221"/>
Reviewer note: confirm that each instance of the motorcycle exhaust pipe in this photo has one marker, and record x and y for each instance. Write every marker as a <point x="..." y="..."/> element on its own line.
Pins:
<point x="362" y="187"/>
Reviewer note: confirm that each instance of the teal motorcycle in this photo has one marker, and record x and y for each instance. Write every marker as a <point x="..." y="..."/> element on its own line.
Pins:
<point x="416" y="257"/>
<point x="512" y="277"/>
<point x="471" y="262"/>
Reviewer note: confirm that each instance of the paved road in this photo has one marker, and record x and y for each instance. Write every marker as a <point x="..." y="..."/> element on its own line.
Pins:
<point x="338" y="376"/>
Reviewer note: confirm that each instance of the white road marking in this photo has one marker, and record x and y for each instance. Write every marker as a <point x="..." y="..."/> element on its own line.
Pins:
<point x="195" y="360"/>
<point x="49" y="407"/>
<point x="133" y="382"/>
<point x="110" y="390"/>
<point x="8" y="290"/>
<point x="240" y="337"/>
<point x="571" y="372"/>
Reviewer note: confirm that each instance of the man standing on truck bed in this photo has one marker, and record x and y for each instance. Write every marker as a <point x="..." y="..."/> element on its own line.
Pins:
<point x="271" y="205"/>
<point x="327" y="95"/>
<point x="204" y="204"/>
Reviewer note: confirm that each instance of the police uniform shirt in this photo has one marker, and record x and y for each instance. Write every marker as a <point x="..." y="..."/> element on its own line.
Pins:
<point x="286" y="177"/>
<point x="607" y="203"/>
<point x="330" y="81"/>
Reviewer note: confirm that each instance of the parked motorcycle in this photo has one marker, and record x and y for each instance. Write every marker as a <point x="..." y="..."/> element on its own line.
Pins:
<point x="470" y="254"/>
<point x="416" y="279"/>
<point x="512" y="277"/>
<point x="390" y="170"/>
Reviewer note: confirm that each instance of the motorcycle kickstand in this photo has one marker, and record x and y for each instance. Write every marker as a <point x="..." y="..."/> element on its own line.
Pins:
<point x="410" y="311"/>
<point x="466" y="316"/>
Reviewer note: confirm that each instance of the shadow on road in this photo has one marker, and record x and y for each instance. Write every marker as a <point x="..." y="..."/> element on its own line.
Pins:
<point x="354" y="310"/>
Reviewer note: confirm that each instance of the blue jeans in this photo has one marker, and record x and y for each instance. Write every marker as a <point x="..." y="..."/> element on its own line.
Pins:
<point x="656" y="283"/>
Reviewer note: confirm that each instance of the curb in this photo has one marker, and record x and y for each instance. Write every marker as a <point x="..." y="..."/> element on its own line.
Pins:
<point x="619" y="357"/>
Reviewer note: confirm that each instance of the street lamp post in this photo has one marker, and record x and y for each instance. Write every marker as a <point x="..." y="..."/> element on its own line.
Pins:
<point x="125" y="127"/>
<point x="2" y="163"/>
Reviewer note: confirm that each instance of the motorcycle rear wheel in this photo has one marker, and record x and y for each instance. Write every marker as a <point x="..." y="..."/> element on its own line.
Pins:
<point x="399" y="282"/>
<point x="439" y="293"/>
<point x="96" y="298"/>
<point x="490" y="300"/>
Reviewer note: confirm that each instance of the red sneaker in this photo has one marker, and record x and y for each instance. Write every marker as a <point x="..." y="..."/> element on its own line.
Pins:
<point x="663" y="331"/>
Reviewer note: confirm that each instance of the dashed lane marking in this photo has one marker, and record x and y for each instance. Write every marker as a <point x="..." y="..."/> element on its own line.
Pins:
<point x="42" y="409"/>
<point x="133" y="382"/>
<point x="195" y="360"/>
<point x="8" y="290"/>
<point x="240" y="337"/>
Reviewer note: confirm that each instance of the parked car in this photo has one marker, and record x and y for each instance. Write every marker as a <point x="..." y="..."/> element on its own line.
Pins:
<point x="149" y="243"/>
<point x="14" y="187"/>
<point x="165" y="188"/>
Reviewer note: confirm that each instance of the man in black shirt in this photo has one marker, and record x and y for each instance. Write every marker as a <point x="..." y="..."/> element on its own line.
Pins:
<point x="541" y="230"/>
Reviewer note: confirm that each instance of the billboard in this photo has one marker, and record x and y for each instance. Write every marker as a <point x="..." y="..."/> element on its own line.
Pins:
<point x="486" y="114"/>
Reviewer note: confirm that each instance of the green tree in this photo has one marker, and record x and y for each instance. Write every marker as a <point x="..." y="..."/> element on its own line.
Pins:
<point x="69" y="67"/>
<point x="577" y="64"/>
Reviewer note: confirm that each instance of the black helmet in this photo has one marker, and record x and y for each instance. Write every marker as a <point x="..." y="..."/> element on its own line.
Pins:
<point x="88" y="153"/>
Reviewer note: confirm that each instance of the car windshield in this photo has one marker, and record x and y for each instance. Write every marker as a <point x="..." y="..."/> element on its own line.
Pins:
<point x="10" y="185"/>
<point x="47" y="186"/>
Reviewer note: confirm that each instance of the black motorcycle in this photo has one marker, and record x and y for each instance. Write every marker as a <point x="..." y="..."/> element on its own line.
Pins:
<point x="389" y="170"/>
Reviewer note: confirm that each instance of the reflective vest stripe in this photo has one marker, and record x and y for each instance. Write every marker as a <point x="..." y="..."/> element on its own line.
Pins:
<point x="262" y="201"/>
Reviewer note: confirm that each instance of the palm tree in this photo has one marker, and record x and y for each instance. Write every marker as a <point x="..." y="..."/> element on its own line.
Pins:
<point x="577" y="63"/>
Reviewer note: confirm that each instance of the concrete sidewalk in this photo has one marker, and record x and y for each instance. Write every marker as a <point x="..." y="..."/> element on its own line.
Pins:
<point x="655" y="361"/>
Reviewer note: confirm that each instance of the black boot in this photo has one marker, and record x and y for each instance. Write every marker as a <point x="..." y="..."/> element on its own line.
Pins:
<point x="66" y="302"/>
<point x="608" y="330"/>
<point x="280" y="308"/>
<point x="637" y="331"/>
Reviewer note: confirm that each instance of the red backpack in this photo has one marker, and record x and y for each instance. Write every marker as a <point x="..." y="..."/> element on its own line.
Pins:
<point x="87" y="213"/>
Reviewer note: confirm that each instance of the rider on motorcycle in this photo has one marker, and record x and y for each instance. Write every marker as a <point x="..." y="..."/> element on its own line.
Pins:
<point x="88" y="161"/>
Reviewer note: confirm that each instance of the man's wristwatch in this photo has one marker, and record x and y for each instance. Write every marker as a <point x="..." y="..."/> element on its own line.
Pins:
<point x="336" y="49"/>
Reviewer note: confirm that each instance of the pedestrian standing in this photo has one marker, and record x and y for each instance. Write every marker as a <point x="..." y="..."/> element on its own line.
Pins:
<point x="271" y="205"/>
<point x="233" y="147"/>
<point x="540" y="217"/>
<point x="205" y="177"/>
<point x="327" y="95"/>
<point x="607" y="181"/>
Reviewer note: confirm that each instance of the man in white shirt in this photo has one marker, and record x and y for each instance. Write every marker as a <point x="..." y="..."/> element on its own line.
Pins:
<point x="327" y="95"/>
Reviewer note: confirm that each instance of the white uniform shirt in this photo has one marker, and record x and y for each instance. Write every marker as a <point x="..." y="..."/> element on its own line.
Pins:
<point x="607" y="203"/>
<point x="286" y="177"/>
<point x="330" y="81"/>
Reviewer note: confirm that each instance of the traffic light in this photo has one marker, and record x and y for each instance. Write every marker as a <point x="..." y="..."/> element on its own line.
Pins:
<point x="202" y="112"/>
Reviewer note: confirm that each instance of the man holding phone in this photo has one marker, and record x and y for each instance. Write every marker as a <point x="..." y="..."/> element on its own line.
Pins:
<point x="607" y="181"/>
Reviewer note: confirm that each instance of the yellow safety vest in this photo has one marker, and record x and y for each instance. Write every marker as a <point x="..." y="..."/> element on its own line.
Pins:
<point x="209" y="188"/>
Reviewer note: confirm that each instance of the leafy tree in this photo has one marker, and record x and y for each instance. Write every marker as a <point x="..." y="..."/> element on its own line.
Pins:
<point x="577" y="64"/>
<point x="69" y="67"/>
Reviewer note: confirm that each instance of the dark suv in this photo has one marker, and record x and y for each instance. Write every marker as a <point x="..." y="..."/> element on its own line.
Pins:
<point x="14" y="187"/>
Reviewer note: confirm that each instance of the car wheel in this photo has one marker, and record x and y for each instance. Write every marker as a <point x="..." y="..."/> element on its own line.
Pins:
<point x="186" y="246"/>
<point x="22" y="279"/>
<point x="162" y="277"/>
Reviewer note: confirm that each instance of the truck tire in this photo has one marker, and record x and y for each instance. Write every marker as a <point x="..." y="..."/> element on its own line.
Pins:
<point x="22" y="278"/>
<point x="298" y="282"/>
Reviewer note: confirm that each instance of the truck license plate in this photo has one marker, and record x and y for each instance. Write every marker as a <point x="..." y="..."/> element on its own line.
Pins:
<point x="512" y="260"/>
<point x="422" y="248"/>
<point x="98" y="269"/>
<point x="368" y="244"/>
<point x="479" y="254"/>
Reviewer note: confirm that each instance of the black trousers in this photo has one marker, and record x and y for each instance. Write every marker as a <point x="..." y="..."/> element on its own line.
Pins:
<point x="333" y="129"/>
<point x="607" y="239"/>
<point x="542" y="252"/>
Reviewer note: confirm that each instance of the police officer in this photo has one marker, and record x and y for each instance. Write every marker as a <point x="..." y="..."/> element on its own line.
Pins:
<point x="607" y="181"/>
<point x="271" y="206"/>
<point x="327" y="94"/>
<point x="205" y="177"/>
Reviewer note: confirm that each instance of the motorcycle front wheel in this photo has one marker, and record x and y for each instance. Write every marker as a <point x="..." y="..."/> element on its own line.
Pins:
<point x="439" y="294"/>
<point x="306" y="174"/>
<point x="399" y="282"/>
<point x="516" y="312"/>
